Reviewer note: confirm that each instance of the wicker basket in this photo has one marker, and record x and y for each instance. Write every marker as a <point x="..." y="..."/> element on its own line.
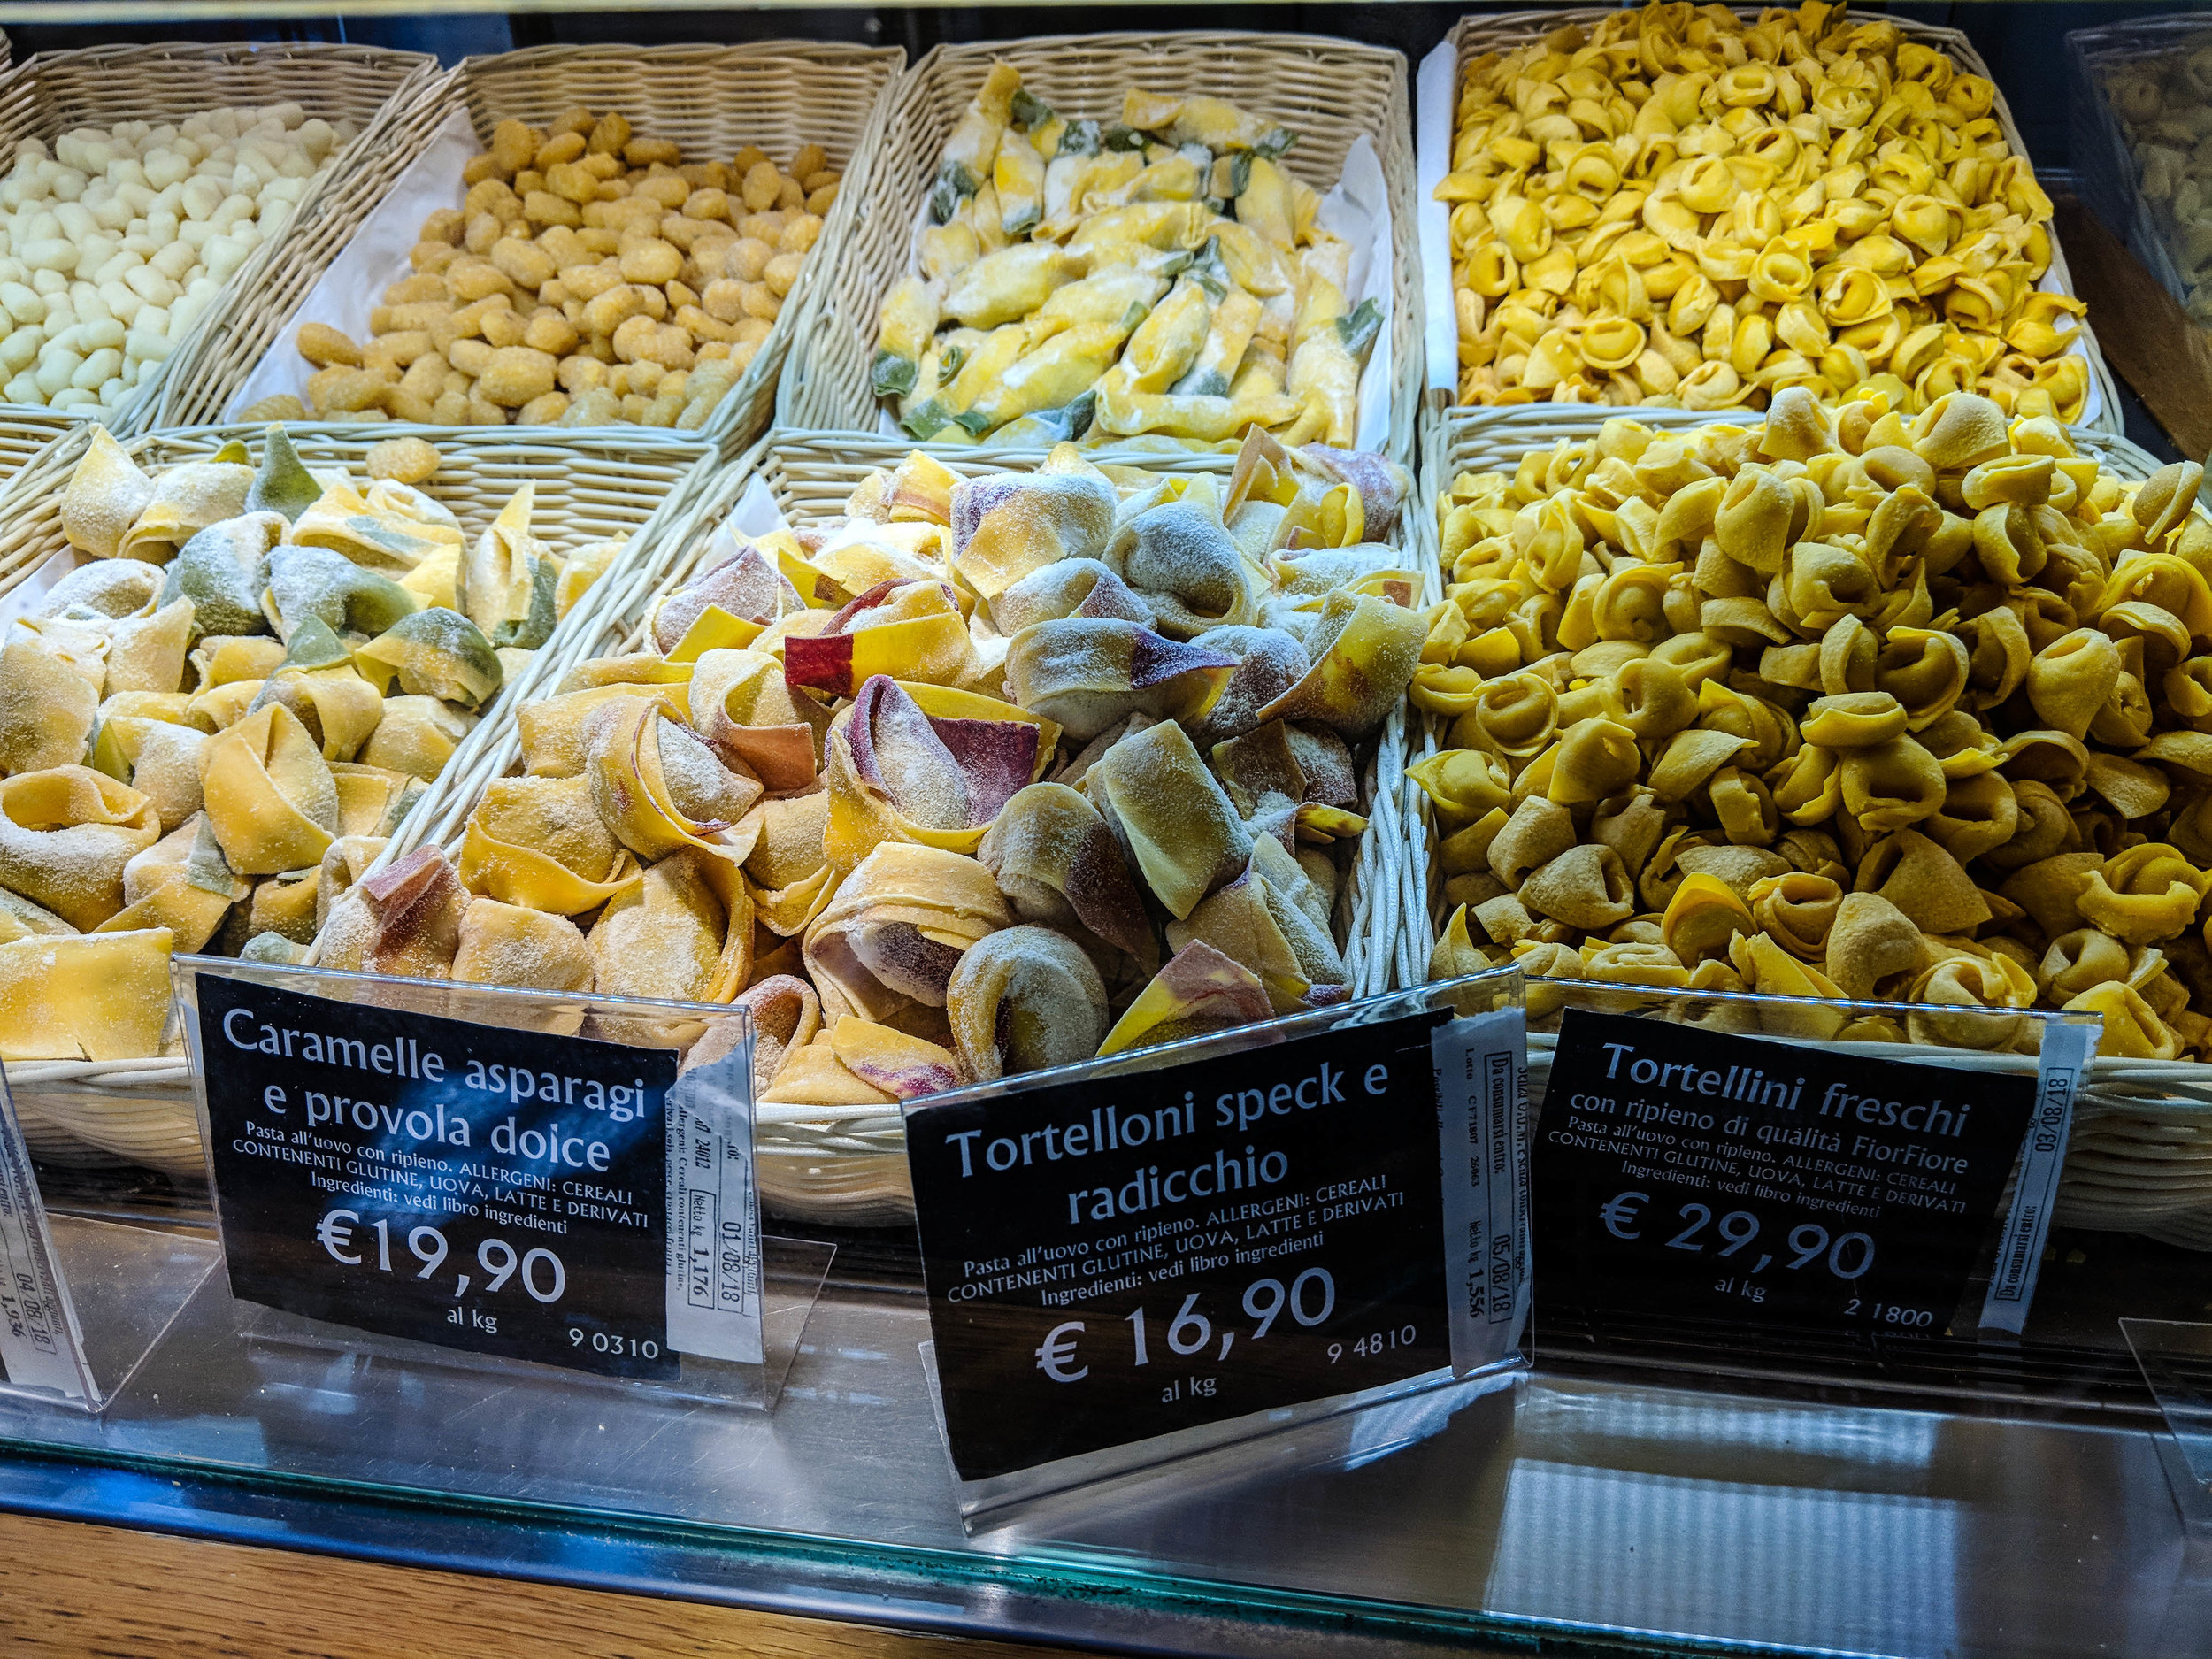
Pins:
<point x="848" y="1164"/>
<point x="49" y="94"/>
<point x="2106" y="172"/>
<point x="1329" y="92"/>
<point x="23" y="439"/>
<point x="711" y="100"/>
<point x="1472" y="36"/>
<point x="589" y="487"/>
<point x="2140" y="1157"/>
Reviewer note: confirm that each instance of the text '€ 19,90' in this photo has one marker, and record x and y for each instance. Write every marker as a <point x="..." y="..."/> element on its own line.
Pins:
<point x="498" y="1191"/>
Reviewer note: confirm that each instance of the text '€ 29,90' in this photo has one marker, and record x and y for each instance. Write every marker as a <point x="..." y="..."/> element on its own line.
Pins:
<point x="1691" y="1172"/>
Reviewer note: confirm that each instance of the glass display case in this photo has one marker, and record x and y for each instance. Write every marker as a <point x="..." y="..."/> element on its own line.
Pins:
<point x="1111" y="547"/>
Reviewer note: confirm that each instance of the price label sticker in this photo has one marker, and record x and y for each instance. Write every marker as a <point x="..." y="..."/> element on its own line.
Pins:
<point x="38" y="1342"/>
<point x="1677" y="1168"/>
<point x="1115" y="1259"/>
<point x="500" y="1191"/>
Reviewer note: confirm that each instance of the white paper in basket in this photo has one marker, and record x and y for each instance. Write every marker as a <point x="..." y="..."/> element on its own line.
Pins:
<point x="1436" y="101"/>
<point x="1433" y="102"/>
<point x="756" y="514"/>
<point x="372" y="259"/>
<point x="24" y="599"/>
<point x="1356" y="208"/>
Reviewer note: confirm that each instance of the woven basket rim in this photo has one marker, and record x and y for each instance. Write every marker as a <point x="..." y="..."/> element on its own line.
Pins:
<point x="230" y="52"/>
<point x="674" y="51"/>
<point x="1119" y="40"/>
<point x="1453" y="427"/>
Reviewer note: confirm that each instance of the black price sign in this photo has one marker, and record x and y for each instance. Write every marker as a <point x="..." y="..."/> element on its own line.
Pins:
<point x="480" y="1188"/>
<point x="1689" y="1169"/>
<point x="1119" y="1259"/>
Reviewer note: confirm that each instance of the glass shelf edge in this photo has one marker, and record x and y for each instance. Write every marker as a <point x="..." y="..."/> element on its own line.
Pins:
<point x="1038" y="1597"/>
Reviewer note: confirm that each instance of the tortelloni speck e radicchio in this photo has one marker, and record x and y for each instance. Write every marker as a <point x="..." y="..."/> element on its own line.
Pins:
<point x="981" y="776"/>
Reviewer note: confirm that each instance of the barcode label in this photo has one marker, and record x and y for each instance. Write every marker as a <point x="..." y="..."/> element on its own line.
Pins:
<point x="37" y="1336"/>
<point x="2064" y="1062"/>
<point x="1479" y="1066"/>
<point x="2018" y="1263"/>
<point x="714" y="1269"/>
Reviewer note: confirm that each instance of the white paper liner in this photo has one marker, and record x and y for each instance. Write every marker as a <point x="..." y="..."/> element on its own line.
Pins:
<point x="755" y="515"/>
<point x="1436" y="100"/>
<point x="1357" y="209"/>
<point x="373" y="259"/>
<point x="24" y="599"/>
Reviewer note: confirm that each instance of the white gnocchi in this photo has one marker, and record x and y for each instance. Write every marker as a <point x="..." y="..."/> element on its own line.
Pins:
<point x="114" y="242"/>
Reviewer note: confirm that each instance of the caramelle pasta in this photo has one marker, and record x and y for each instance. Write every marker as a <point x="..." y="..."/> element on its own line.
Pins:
<point x="208" y="729"/>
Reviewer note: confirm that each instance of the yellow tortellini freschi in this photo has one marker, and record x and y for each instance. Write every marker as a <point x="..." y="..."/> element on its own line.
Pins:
<point x="1680" y="207"/>
<point x="210" y="725"/>
<point x="1838" y="706"/>
<point x="985" y="775"/>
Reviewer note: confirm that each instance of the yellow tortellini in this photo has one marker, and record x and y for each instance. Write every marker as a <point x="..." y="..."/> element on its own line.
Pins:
<point x="1678" y="206"/>
<point x="1846" y="704"/>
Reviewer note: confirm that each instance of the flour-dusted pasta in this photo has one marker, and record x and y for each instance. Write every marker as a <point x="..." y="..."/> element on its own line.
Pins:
<point x="208" y="731"/>
<point x="983" y="775"/>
